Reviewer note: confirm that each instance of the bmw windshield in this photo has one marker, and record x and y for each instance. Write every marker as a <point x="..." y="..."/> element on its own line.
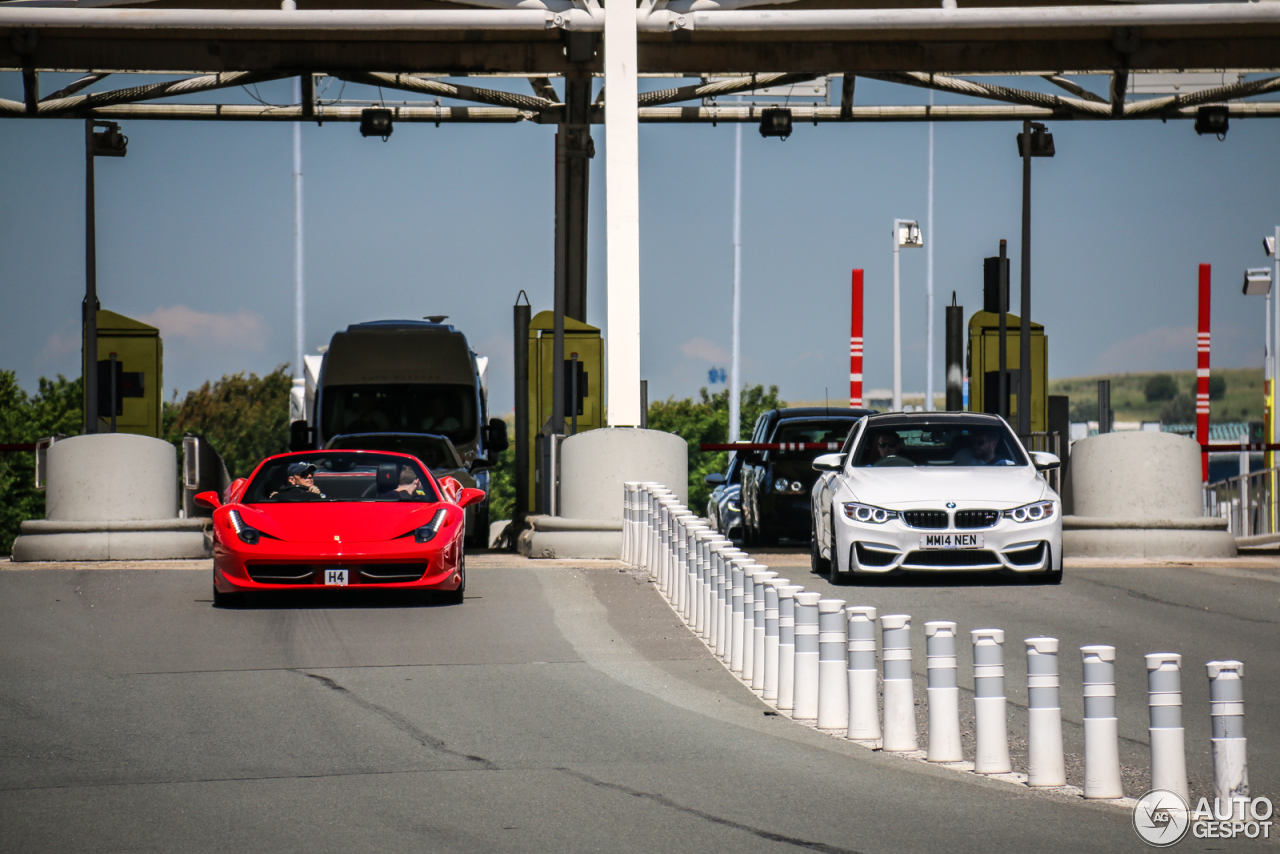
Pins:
<point x="913" y="442"/>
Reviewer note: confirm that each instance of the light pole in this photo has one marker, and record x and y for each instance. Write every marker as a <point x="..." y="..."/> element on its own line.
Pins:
<point x="928" y="283"/>
<point x="735" y="379"/>
<point x="1271" y="245"/>
<point x="906" y="232"/>
<point x="106" y="143"/>
<point x="1034" y="141"/>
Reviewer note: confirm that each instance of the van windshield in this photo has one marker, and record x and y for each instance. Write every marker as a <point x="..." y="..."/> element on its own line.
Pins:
<point x="449" y="410"/>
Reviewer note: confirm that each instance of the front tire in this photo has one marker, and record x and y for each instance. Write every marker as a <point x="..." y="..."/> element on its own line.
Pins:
<point x="455" y="597"/>
<point x="818" y="565"/>
<point x="836" y="576"/>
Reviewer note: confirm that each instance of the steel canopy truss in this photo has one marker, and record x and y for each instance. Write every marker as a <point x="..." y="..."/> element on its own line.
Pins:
<point x="755" y="47"/>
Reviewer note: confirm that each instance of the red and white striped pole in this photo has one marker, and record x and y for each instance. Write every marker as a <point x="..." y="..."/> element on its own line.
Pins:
<point x="1202" y="373"/>
<point x="855" y="344"/>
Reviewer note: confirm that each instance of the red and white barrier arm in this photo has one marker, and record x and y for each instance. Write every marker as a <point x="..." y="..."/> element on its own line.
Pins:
<point x="773" y="446"/>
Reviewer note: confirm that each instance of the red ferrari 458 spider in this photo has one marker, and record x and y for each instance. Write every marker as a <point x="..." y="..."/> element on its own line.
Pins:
<point x="328" y="519"/>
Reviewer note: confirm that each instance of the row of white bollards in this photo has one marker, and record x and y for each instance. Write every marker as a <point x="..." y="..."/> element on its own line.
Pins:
<point x="814" y="659"/>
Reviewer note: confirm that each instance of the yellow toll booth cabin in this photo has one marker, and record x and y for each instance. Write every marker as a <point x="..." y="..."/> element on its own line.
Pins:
<point x="984" y="368"/>
<point x="583" y="340"/>
<point x="139" y="359"/>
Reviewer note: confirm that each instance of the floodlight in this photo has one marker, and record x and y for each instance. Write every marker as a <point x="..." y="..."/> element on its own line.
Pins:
<point x="1041" y="142"/>
<point x="375" y="121"/>
<point x="1213" y="120"/>
<point x="1257" y="280"/>
<point x="775" y="121"/>
<point x="1269" y="246"/>
<point x="109" y="142"/>
<point x="909" y="235"/>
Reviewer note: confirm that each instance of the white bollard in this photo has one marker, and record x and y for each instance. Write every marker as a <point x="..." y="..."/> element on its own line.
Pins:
<point x="899" y="694"/>
<point x="738" y="603"/>
<point x="664" y="547"/>
<point x="787" y="646"/>
<point x="702" y="609"/>
<point x="757" y="634"/>
<point x="1046" y="765"/>
<point x="749" y="619"/>
<point x="771" y="616"/>
<point x="1101" y="729"/>
<point x="689" y="591"/>
<point x="942" y="691"/>
<point x="805" y="697"/>
<point x="990" y="707"/>
<point x="680" y="573"/>
<point x="628" y="521"/>
<point x="728" y="556"/>
<point x="718" y="563"/>
<point x="1226" y="708"/>
<point x="833" y="666"/>
<point x="864" y="705"/>
<point x="1168" y="738"/>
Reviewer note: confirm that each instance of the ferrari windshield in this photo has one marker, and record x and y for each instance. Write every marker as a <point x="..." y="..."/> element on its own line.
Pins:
<point x="338" y="476"/>
<point x="951" y="442"/>
<point x="449" y="410"/>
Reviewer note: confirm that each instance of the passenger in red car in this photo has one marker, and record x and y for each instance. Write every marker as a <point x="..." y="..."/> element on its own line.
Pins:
<point x="301" y="485"/>
<point x="410" y="488"/>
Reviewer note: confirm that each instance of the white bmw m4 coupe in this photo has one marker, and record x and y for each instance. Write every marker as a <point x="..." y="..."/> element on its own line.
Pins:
<point x="935" y="492"/>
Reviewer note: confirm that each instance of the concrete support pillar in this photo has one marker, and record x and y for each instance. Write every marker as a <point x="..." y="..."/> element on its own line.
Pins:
<point x="622" y="214"/>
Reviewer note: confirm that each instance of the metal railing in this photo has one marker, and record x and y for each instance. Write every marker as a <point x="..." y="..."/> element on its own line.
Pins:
<point x="1246" y="501"/>
<point x="1051" y="442"/>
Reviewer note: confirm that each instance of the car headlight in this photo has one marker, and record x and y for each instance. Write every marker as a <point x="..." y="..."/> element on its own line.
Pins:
<point x="797" y="486"/>
<point x="1037" y="511"/>
<point x="428" y="531"/>
<point x="868" y="513"/>
<point x="246" y="534"/>
<point x="735" y="506"/>
<point x="781" y="485"/>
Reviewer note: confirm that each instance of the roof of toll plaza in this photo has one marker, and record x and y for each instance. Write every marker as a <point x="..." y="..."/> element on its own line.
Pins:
<point x="734" y="46"/>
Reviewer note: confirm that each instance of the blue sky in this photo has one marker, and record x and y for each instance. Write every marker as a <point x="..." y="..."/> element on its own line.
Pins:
<point x="195" y="235"/>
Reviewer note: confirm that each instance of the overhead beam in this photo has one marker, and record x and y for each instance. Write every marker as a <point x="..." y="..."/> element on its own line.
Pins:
<point x="445" y="89"/>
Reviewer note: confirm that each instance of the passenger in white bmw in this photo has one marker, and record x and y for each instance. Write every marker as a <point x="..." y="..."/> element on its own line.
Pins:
<point x="933" y="492"/>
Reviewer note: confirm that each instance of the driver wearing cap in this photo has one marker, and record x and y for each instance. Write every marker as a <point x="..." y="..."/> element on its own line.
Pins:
<point x="301" y="485"/>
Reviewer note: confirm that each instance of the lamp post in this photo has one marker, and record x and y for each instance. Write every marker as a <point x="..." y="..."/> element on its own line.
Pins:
<point x="1271" y="245"/>
<point x="906" y="232"/>
<point x="108" y="142"/>
<point x="1034" y="141"/>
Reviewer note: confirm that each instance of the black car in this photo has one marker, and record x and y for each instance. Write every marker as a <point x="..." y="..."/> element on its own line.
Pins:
<point x="776" y="484"/>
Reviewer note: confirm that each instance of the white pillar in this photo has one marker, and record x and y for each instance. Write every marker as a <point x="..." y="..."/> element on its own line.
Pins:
<point x="1101" y="728"/>
<point x="833" y="666"/>
<point x="990" y="712"/>
<point x="899" y="693"/>
<point x="864" y="708"/>
<point x="943" y="692"/>
<point x="622" y="214"/>
<point x="1168" y="738"/>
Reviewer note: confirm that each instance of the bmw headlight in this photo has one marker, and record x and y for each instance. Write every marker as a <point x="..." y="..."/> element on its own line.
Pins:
<point x="427" y="532"/>
<point x="735" y="506"/>
<point x="781" y="485"/>
<point x="868" y="513"/>
<point x="246" y="534"/>
<point x="1035" y="512"/>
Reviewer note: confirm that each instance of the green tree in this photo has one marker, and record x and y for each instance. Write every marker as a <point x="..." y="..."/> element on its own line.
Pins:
<point x="502" y="483"/>
<point x="706" y="420"/>
<point x="1217" y="387"/>
<point x="53" y="410"/>
<point x="246" y="418"/>
<point x="1180" y="410"/>
<point x="1160" y="387"/>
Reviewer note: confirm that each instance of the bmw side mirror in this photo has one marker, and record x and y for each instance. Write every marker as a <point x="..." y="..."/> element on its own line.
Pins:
<point x="1044" y="460"/>
<point x="828" y="462"/>
<point x="714" y="479"/>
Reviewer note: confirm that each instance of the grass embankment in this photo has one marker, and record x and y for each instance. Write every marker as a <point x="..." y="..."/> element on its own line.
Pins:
<point x="1242" y="401"/>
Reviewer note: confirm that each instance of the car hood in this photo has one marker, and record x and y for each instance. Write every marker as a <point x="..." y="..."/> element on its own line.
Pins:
<point x="998" y="487"/>
<point x="345" y="522"/>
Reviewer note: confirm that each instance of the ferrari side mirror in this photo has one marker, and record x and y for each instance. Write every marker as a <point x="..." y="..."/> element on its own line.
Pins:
<point x="470" y="496"/>
<point x="208" y="499"/>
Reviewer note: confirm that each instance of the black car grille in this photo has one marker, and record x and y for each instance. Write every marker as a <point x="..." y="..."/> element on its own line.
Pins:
<point x="977" y="518"/>
<point x="311" y="573"/>
<point x="951" y="558"/>
<point x="925" y="518"/>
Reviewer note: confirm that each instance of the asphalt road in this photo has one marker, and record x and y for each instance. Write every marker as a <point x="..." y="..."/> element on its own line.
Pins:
<point x="558" y="709"/>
